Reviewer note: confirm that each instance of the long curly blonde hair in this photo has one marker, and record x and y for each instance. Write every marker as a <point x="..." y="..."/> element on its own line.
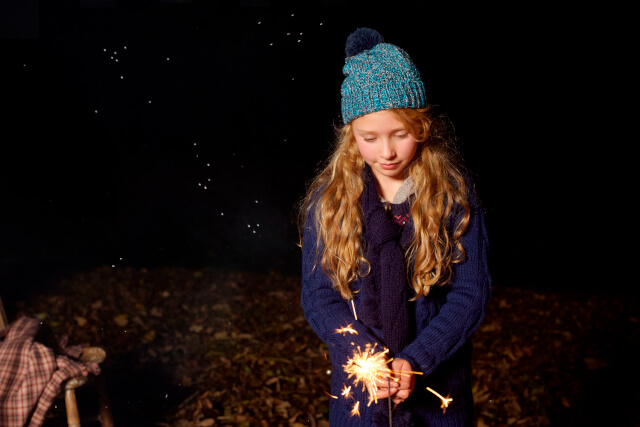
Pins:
<point x="440" y="189"/>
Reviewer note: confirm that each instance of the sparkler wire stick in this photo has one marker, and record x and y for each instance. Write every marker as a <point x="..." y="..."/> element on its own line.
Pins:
<point x="389" y="399"/>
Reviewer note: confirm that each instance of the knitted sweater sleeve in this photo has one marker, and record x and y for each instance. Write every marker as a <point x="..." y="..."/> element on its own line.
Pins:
<point x="465" y="305"/>
<point x="323" y="306"/>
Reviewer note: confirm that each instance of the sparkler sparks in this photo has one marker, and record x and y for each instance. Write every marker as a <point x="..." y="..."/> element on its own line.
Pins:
<point x="356" y="409"/>
<point x="445" y="400"/>
<point x="331" y="395"/>
<point x="353" y="306"/>
<point x="367" y="367"/>
<point x="346" y="329"/>
<point x="346" y="391"/>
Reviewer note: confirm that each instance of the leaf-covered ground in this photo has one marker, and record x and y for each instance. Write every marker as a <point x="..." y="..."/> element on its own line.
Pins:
<point x="203" y="348"/>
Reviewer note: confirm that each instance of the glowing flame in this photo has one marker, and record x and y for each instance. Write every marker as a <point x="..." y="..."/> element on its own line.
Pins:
<point x="356" y="409"/>
<point x="445" y="400"/>
<point x="368" y="366"/>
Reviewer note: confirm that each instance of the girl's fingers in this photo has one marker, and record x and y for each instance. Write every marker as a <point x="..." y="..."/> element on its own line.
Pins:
<point x="405" y="383"/>
<point x="384" y="384"/>
<point x="400" y="396"/>
<point x="403" y="394"/>
<point x="384" y="393"/>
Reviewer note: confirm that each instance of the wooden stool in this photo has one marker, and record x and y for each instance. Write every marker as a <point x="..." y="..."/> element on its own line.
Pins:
<point x="89" y="355"/>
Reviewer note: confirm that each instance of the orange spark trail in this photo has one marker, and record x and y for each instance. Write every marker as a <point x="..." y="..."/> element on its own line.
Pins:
<point x="445" y="400"/>
<point x="356" y="409"/>
<point x="406" y="373"/>
<point x="331" y="395"/>
<point x="346" y="329"/>
<point x="346" y="391"/>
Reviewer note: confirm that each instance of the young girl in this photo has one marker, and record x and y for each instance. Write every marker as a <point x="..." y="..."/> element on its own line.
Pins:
<point x="394" y="249"/>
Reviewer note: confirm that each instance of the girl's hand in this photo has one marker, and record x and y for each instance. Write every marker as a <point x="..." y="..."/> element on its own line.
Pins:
<point x="406" y="381"/>
<point x="401" y="389"/>
<point x="386" y="388"/>
<point x="383" y="389"/>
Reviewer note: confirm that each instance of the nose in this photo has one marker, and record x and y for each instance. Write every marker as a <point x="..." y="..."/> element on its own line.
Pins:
<point x="388" y="149"/>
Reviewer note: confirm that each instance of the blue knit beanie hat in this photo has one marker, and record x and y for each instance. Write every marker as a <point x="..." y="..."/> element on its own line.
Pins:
<point x="378" y="76"/>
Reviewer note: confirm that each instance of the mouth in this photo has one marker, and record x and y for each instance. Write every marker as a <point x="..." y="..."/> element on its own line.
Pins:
<point x="388" y="165"/>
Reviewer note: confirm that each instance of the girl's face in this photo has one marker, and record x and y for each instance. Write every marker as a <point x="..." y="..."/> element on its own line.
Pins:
<point x="385" y="144"/>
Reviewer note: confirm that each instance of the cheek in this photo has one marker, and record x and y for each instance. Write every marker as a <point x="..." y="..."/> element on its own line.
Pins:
<point x="409" y="149"/>
<point x="367" y="151"/>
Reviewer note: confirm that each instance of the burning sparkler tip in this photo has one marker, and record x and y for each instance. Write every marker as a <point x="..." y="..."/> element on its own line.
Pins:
<point x="368" y="367"/>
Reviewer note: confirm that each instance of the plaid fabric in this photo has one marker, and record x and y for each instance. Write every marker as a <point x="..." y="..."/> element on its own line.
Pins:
<point x="34" y="363"/>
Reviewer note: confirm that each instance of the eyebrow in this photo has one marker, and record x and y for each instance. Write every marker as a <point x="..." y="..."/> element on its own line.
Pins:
<point x="364" y="131"/>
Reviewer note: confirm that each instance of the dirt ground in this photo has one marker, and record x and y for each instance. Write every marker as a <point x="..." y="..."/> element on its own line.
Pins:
<point x="193" y="347"/>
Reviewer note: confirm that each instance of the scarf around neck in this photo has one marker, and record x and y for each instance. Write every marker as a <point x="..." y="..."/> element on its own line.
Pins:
<point x="385" y="289"/>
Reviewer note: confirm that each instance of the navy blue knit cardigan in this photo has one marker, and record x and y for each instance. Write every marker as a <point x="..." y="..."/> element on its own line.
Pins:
<point x="440" y="327"/>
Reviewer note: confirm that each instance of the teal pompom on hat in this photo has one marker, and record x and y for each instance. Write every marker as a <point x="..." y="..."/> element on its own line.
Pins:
<point x="378" y="76"/>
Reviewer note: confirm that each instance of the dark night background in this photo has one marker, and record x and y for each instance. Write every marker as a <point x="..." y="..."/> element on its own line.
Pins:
<point x="182" y="133"/>
<point x="117" y="115"/>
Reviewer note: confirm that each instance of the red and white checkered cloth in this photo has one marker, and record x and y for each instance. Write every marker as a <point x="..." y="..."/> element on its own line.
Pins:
<point x="34" y="363"/>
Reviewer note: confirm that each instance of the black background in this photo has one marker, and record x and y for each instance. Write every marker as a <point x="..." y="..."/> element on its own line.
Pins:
<point x="105" y="162"/>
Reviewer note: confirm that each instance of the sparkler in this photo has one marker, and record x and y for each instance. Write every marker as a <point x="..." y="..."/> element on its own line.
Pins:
<point x="367" y="367"/>
<point x="445" y="400"/>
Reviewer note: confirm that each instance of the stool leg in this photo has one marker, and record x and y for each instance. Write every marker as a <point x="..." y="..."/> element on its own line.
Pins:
<point x="106" y="419"/>
<point x="73" y="417"/>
